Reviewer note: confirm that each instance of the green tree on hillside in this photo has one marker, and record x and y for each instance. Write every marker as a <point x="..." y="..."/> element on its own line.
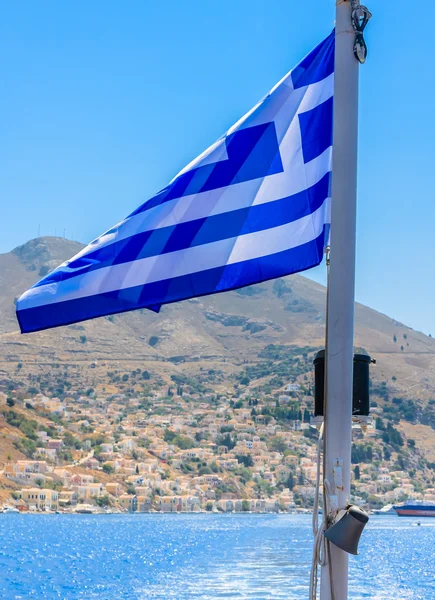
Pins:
<point x="184" y="442"/>
<point x="103" y="501"/>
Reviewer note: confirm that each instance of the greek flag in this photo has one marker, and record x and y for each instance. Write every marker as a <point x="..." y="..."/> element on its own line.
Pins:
<point x="252" y="207"/>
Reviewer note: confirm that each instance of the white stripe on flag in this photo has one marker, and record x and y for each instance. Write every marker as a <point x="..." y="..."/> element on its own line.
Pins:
<point x="216" y="202"/>
<point x="181" y="262"/>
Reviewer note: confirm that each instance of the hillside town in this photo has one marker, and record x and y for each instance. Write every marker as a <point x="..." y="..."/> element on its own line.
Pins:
<point x="177" y="450"/>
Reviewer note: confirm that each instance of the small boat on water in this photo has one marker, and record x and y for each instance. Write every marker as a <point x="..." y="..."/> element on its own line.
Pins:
<point x="85" y="509"/>
<point x="10" y="509"/>
<point x="415" y="509"/>
<point x="388" y="509"/>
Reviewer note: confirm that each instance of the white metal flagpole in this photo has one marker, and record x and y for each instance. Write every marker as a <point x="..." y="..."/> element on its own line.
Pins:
<point x="341" y="296"/>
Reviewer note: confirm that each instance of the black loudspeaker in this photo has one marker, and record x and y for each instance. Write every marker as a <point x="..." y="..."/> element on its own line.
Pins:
<point x="346" y="533"/>
<point x="361" y="384"/>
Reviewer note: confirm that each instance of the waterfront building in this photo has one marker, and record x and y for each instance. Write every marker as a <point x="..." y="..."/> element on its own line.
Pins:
<point x="40" y="499"/>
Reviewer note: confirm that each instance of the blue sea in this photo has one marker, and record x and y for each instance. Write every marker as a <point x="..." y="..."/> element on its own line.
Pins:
<point x="208" y="557"/>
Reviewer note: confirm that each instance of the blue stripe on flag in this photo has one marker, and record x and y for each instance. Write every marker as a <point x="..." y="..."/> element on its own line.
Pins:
<point x="252" y="153"/>
<point x="316" y="130"/>
<point x="152" y="295"/>
<point x="317" y="65"/>
<point x="197" y="232"/>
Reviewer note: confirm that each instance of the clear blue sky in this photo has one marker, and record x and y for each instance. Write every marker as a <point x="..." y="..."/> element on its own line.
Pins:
<point x="103" y="102"/>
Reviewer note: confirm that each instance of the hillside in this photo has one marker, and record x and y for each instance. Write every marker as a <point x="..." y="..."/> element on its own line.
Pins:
<point x="223" y="331"/>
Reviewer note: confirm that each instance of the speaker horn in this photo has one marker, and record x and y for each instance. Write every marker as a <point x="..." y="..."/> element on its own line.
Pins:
<point x="345" y="534"/>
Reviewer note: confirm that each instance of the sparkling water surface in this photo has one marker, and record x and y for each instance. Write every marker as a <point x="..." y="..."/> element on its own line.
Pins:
<point x="208" y="557"/>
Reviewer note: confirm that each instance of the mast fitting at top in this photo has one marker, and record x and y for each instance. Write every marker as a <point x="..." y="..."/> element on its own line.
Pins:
<point x="360" y="17"/>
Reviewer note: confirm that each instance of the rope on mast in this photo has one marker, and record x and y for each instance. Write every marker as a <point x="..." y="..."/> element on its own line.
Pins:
<point x="321" y="550"/>
<point x="318" y="558"/>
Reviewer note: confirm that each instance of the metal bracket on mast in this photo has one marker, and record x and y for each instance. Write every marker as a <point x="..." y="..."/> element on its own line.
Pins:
<point x="328" y="255"/>
<point x="360" y="17"/>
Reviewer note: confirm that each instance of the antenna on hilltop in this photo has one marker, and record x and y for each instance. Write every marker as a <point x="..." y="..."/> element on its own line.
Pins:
<point x="39" y="230"/>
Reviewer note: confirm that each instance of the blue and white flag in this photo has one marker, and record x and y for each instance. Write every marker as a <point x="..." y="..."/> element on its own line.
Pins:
<point x="252" y="207"/>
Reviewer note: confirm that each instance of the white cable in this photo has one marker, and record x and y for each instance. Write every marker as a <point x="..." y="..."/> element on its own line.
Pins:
<point x="318" y="557"/>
